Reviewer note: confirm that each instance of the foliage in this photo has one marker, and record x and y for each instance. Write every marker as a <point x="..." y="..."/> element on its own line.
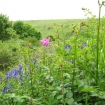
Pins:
<point x="4" y="25"/>
<point x="31" y="41"/>
<point x="67" y="71"/>
<point x="25" y="30"/>
<point x="9" y="55"/>
<point x="11" y="33"/>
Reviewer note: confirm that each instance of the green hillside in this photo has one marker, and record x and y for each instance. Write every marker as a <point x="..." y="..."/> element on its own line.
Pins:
<point x="46" y="27"/>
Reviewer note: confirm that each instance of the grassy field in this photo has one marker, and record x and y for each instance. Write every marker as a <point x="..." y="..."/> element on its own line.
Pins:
<point x="46" y="26"/>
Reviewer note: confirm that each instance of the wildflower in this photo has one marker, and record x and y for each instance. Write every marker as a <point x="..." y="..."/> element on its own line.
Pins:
<point x="35" y="61"/>
<point x="68" y="47"/>
<point x="7" y="89"/>
<point x="84" y="45"/>
<point x="45" y="42"/>
<point x="15" y="73"/>
<point x="52" y="52"/>
<point x="20" y="68"/>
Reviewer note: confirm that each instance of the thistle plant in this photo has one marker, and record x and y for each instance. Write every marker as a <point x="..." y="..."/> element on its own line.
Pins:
<point x="45" y="42"/>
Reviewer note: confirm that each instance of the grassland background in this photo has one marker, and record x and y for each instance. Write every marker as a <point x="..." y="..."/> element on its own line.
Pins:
<point x="46" y="26"/>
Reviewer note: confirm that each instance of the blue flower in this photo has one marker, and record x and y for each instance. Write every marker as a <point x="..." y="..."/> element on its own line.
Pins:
<point x="35" y="61"/>
<point x="7" y="89"/>
<point x="15" y="73"/>
<point x="52" y="52"/>
<point x="84" y="45"/>
<point x="68" y="47"/>
<point x="20" y="68"/>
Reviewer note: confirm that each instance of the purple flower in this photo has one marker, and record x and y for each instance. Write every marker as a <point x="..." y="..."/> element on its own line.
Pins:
<point x="7" y="89"/>
<point x="68" y="47"/>
<point x="15" y="73"/>
<point x="20" y="68"/>
<point x="84" y="45"/>
<point x="52" y="52"/>
<point x="35" y="61"/>
<point x="45" y="42"/>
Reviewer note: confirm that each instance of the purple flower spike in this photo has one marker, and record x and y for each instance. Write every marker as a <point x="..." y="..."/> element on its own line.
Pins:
<point x="15" y="73"/>
<point x="20" y="68"/>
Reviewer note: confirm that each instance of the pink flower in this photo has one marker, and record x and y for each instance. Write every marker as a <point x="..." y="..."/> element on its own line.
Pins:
<point x="45" y="42"/>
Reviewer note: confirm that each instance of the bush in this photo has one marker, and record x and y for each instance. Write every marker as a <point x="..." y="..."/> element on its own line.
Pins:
<point x="25" y="30"/>
<point x="4" y="24"/>
<point x="32" y="40"/>
<point x="9" y="55"/>
<point x="10" y="33"/>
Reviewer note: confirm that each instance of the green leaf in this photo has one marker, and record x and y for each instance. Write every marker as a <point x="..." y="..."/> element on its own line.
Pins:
<point x="45" y="67"/>
<point x="69" y="101"/>
<point x="89" y="89"/>
<point x="59" y="97"/>
<point x="53" y="94"/>
<point x="69" y="94"/>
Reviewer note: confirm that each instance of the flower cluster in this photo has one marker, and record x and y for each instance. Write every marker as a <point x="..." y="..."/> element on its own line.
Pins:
<point x="15" y="73"/>
<point x="45" y="42"/>
<point x="7" y="89"/>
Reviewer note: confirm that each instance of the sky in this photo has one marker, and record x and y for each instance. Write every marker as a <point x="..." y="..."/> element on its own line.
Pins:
<point x="48" y="9"/>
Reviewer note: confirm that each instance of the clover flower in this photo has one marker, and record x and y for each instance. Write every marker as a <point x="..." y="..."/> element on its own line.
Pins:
<point x="45" y="42"/>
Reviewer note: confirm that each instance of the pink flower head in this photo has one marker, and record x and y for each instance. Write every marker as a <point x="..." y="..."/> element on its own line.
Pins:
<point x="45" y="42"/>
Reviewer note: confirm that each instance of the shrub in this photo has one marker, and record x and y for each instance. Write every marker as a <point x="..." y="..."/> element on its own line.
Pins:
<point x="32" y="40"/>
<point x="10" y="33"/>
<point x="9" y="55"/>
<point x="24" y="30"/>
<point x="4" y="24"/>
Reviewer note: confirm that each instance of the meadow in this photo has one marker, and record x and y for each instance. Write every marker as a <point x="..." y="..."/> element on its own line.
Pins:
<point x="46" y="26"/>
<point x="65" y="67"/>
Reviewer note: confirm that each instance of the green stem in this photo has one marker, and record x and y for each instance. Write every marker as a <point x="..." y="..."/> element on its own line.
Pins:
<point x="86" y="100"/>
<point x="75" y="56"/>
<point x="31" y="78"/>
<point x="62" y="78"/>
<point x="98" y="33"/>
